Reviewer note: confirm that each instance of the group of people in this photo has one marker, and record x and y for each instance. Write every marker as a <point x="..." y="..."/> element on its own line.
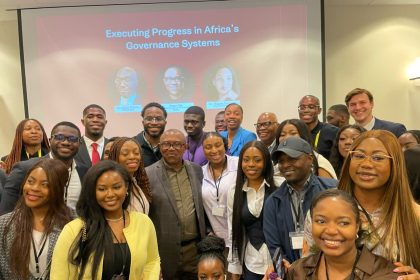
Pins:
<point x="308" y="200"/>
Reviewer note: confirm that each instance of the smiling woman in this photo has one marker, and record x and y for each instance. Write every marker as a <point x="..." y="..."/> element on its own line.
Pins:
<point x="335" y="226"/>
<point x="30" y="141"/>
<point x="127" y="152"/>
<point x="106" y="241"/>
<point x="29" y="233"/>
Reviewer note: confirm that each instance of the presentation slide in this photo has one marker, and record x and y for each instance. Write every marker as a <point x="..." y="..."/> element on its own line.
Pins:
<point x="264" y="55"/>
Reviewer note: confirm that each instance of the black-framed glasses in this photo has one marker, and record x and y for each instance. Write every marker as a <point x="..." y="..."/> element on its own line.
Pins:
<point x="175" y="145"/>
<point x="156" y="119"/>
<point x="263" y="125"/>
<point x="359" y="156"/>
<point x="310" y="107"/>
<point x="62" y="138"/>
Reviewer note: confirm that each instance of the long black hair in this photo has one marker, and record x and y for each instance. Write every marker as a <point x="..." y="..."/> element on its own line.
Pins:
<point x="95" y="237"/>
<point x="336" y="159"/>
<point x="304" y="133"/>
<point x="267" y="174"/>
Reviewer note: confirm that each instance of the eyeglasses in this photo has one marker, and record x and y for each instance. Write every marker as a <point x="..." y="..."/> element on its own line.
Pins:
<point x="376" y="158"/>
<point x="192" y="122"/>
<point x="167" y="145"/>
<point x="263" y="125"/>
<point x="62" y="138"/>
<point x="310" y="107"/>
<point x="156" y="119"/>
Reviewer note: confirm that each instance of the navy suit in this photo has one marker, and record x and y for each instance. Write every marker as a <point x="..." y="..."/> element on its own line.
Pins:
<point x="12" y="188"/>
<point x="396" y="128"/>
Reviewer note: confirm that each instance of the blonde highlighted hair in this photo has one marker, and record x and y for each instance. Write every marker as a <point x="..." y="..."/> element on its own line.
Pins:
<point x="400" y="222"/>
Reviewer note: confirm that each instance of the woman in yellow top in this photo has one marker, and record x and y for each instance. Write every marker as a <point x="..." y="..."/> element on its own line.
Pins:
<point x="107" y="241"/>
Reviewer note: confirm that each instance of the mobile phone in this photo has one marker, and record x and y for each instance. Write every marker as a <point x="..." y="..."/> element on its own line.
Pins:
<point x="278" y="262"/>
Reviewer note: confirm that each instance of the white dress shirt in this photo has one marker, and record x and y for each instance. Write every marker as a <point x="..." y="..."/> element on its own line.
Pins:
<point x="101" y="145"/>
<point x="209" y="193"/>
<point x="256" y="261"/>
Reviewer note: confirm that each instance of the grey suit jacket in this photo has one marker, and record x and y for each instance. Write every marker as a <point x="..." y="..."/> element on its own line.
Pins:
<point x="165" y="216"/>
<point x="83" y="156"/>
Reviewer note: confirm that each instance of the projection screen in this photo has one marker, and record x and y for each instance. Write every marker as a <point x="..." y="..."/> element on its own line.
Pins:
<point x="262" y="54"/>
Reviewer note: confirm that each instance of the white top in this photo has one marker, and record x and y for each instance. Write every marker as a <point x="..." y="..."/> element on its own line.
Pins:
<point x="256" y="261"/>
<point x="42" y="259"/>
<point x="74" y="186"/>
<point x="325" y="164"/>
<point x="138" y="202"/>
<point x="100" y="142"/>
<point x="209" y="192"/>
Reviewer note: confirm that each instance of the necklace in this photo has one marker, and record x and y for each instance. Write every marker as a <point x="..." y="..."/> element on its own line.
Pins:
<point x="115" y="220"/>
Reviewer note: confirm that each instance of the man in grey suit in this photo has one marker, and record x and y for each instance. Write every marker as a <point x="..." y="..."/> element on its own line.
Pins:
<point x="93" y="142"/>
<point x="177" y="207"/>
<point x="360" y="103"/>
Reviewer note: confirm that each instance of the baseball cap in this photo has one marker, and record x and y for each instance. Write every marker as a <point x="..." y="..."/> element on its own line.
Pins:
<point x="294" y="147"/>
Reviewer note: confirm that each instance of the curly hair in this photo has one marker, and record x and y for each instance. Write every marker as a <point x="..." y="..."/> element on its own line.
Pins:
<point x="140" y="175"/>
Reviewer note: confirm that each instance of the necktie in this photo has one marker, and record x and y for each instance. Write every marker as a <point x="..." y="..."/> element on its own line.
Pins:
<point x="95" y="154"/>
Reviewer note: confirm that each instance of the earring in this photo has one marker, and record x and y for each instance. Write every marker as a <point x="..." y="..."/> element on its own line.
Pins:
<point x="357" y="236"/>
<point x="126" y="194"/>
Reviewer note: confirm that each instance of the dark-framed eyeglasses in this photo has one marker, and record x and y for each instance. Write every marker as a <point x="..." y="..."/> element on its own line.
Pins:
<point x="168" y="145"/>
<point x="62" y="138"/>
<point x="263" y="125"/>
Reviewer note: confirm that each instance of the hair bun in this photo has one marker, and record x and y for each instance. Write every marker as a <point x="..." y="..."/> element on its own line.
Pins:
<point x="211" y="244"/>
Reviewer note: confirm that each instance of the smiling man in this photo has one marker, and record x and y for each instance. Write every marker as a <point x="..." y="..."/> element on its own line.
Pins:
<point x="93" y="142"/>
<point x="360" y="103"/>
<point x="194" y="122"/>
<point x="65" y="143"/>
<point x="177" y="209"/>
<point x="323" y="134"/>
<point x="154" y="123"/>
<point x="266" y="127"/>
<point x="293" y="198"/>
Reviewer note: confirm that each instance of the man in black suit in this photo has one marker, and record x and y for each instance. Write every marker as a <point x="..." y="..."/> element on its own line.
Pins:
<point x="93" y="142"/>
<point x="154" y="123"/>
<point x="359" y="101"/>
<point x="323" y="134"/>
<point x="64" y="142"/>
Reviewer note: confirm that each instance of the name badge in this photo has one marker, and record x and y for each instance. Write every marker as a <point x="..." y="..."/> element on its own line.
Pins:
<point x="218" y="211"/>
<point x="296" y="239"/>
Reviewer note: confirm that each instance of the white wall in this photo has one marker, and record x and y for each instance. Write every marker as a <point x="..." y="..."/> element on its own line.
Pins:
<point x="366" y="46"/>
<point x="11" y="97"/>
<point x="370" y="47"/>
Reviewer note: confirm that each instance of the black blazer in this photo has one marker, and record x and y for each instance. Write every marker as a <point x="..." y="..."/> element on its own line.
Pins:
<point x="83" y="156"/>
<point x="12" y="188"/>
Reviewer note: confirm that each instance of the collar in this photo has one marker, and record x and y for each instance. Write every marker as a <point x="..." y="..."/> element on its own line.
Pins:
<point x="168" y="167"/>
<point x="245" y="187"/>
<point x="88" y="141"/>
<point x="291" y="190"/>
<point x="73" y="165"/>
<point x="317" y="128"/>
<point x="371" y="124"/>
<point x="148" y="143"/>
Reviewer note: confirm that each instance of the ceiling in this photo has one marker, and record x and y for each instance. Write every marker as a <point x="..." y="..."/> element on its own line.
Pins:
<point x="16" y="4"/>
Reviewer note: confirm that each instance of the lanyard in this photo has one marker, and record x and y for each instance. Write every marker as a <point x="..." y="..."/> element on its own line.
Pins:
<point x="296" y="212"/>
<point x="219" y="180"/>
<point x="66" y="187"/>
<point x="37" y="255"/>
<point x="29" y="156"/>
